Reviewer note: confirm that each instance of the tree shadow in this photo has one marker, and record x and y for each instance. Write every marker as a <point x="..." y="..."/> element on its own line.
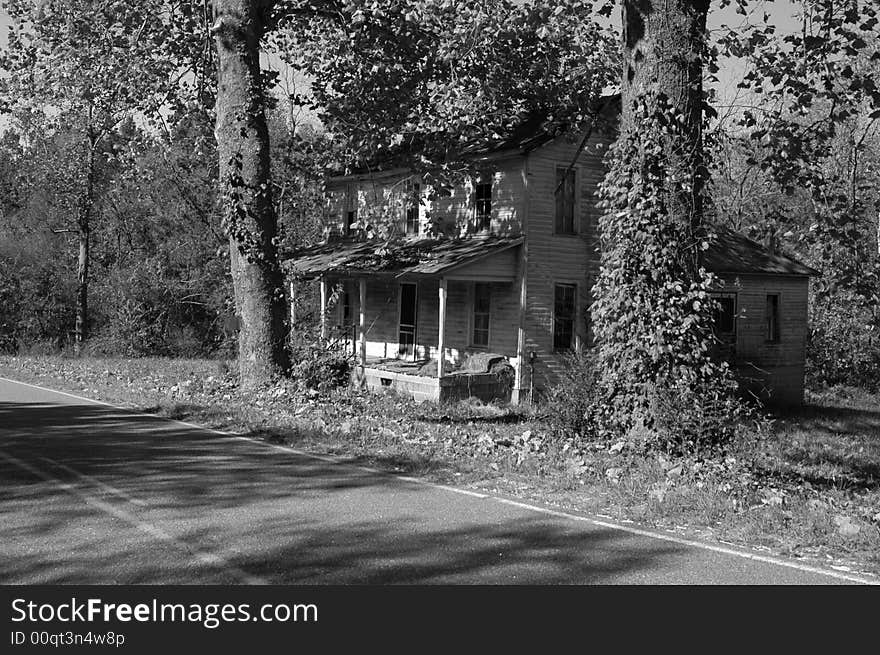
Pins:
<point x="285" y="517"/>
<point x="831" y="445"/>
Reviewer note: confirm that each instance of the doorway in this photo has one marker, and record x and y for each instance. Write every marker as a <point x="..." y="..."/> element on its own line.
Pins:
<point x="409" y="303"/>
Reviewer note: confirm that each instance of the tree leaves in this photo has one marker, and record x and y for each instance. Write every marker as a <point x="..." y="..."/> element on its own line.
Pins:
<point x="437" y="77"/>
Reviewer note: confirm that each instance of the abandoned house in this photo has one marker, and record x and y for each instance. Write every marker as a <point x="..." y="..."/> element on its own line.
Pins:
<point x="491" y="306"/>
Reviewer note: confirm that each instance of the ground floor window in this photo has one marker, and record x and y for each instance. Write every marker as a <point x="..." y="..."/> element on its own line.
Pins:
<point x="482" y="303"/>
<point x="564" y="307"/>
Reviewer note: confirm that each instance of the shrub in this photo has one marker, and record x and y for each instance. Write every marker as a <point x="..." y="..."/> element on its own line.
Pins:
<point x="695" y="419"/>
<point x="319" y="365"/>
<point x="572" y="402"/>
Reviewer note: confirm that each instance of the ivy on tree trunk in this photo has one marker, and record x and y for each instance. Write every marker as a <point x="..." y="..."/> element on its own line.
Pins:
<point x="653" y="311"/>
<point x="243" y="145"/>
<point x="663" y="52"/>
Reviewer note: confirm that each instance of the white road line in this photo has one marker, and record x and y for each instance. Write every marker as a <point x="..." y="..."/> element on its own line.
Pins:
<point x="687" y="542"/>
<point x="205" y="557"/>
<point x="806" y="568"/>
<point x="98" y="483"/>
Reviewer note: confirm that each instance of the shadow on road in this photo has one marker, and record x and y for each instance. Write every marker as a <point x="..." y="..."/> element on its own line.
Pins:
<point x="283" y="517"/>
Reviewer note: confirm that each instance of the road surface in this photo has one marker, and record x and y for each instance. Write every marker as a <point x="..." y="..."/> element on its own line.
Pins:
<point x="94" y="494"/>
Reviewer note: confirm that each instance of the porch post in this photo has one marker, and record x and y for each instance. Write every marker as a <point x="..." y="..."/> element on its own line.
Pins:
<point x="292" y="305"/>
<point x="519" y="381"/>
<point x="323" y="307"/>
<point x="362" y="325"/>
<point x="441" y="329"/>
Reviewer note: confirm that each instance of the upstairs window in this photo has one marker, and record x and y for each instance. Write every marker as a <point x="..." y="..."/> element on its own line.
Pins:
<point x="350" y="219"/>
<point x="412" y="208"/>
<point x="483" y="199"/>
<point x="482" y="302"/>
<point x="564" y="307"/>
<point x="772" y="317"/>
<point x="565" y="201"/>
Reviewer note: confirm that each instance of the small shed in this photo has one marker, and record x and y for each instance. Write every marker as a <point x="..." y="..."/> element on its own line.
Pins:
<point x="763" y="322"/>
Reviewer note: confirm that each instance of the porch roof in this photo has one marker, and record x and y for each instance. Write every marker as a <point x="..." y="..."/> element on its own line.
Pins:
<point x="419" y="257"/>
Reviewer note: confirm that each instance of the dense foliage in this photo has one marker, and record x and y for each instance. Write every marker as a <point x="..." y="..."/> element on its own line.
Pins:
<point x="798" y="167"/>
<point x="423" y="84"/>
<point x="653" y="312"/>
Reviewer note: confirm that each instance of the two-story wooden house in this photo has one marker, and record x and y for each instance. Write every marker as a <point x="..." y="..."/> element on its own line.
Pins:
<point x="510" y="275"/>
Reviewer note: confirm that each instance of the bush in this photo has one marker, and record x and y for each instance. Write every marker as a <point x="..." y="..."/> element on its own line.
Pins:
<point x="319" y="365"/>
<point x="696" y="419"/>
<point x="572" y="402"/>
<point x="677" y="418"/>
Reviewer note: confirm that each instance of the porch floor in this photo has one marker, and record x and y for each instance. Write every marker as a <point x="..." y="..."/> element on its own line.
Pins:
<point x="402" y="376"/>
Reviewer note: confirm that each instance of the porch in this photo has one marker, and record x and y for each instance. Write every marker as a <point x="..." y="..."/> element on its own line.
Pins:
<point x="408" y="378"/>
<point x="416" y="315"/>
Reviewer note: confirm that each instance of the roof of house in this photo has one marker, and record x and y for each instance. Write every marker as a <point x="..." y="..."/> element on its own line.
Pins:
<point x="733" y="252"/>
<point x="425" y="257"/>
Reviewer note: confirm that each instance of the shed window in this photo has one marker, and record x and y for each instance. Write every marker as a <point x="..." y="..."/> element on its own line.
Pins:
<point x="483" y="200"/>
<point x="772" y="317"/>
<point x="725" y="315"/>
<point x="482" y="303"/>
<point x="563" y="316"/>
<point x="565" y="201"/>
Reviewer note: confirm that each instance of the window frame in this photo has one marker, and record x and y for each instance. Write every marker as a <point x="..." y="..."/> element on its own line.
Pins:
<point x="772" y="318"/>
<point x="573" y="344"/>
<point x="559" y="220"/>
<point x="483" y="219"/>
<point x="731" y="335"/>
<point x="412" y="208"/>
<point x="473" y="316"/>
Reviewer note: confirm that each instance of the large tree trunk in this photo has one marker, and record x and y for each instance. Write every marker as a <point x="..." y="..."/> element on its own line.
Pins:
<point x="243" y="145"/>
<point x="84" y="227"/>
<point x="82" y="289"/>
<point x="663" y="47"/>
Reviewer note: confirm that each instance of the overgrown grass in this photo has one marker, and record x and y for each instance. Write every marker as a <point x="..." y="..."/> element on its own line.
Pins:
<point x="808" y="487"/>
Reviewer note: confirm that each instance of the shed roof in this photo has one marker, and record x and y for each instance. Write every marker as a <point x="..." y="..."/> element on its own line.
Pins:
<point x="425" y="257"/>
<point x="733" y="252"/>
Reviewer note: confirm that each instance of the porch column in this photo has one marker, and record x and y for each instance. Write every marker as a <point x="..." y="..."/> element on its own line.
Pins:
<point x="323" y="307"/>
<point x="362" y="325"/>
<point x="292" y="305"/>
<point x="441" y="329"/>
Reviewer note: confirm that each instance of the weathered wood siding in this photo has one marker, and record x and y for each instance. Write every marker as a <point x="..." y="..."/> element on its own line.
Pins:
<point x="559" y="258"/>
<point x="382" y="199"/>
<point x="500" y="267"/>
<point x="774" y="370"/>
<point x="383" y="317"/>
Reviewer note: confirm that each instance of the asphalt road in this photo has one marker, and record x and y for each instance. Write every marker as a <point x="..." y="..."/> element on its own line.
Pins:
<point x="94" y="494"/>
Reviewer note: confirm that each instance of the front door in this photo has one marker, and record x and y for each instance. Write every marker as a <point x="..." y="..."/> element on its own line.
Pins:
<point x="408" y="314"/>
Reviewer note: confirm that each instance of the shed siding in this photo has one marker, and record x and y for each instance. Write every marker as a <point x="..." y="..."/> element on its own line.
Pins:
<point x="773" y="370"/>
